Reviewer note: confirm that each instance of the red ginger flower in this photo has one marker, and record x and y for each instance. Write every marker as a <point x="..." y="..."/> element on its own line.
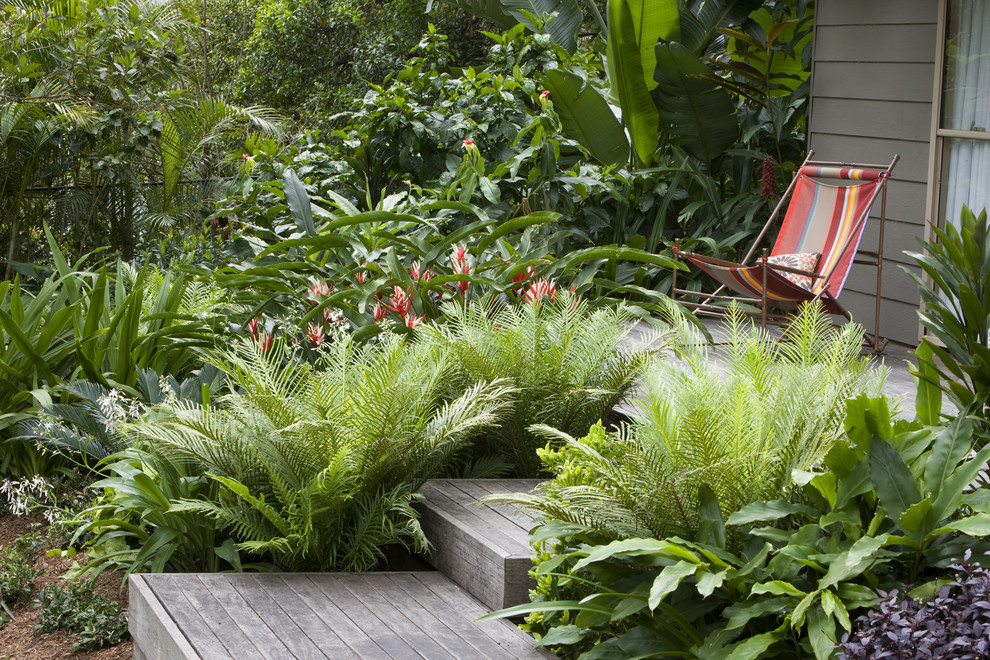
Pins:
<point x="252" y="327"/>
<point x="399" y="302"/>
<point x="419" y="274"/>
<point x="379" y="311"/>
<point x="415" y="320"/>
<point x="264" y="341"/>
<point x="316" y="334"/>
<point x="539" y="289"/>
<point x="461" y="266"/>
<point x="318" y="289"/>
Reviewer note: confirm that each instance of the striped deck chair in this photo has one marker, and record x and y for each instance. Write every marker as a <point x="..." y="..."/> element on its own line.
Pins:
<point x="819" y="238"/>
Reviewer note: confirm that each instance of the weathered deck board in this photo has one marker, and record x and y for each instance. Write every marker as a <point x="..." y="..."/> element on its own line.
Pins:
<point x="483" y="548"/>
<point x="325" y="615"/>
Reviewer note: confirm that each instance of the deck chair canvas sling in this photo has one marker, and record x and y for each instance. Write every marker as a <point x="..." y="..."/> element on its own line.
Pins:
<point x="828" y="204"/>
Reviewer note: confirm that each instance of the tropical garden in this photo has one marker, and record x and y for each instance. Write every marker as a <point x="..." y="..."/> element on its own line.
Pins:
<point x="270" y="266"/>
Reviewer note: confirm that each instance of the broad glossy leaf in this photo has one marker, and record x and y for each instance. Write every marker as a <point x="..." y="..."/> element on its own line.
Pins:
<point x="951" y="445"/>
<point x="695" y="113"/>
<point x="928" y="396"/>
<point x="711" y="527"/>
<point x="765" y="512"/>
<point x="635" y="26"/>
<point x="778" y="588"/>
<point x="668" y="580"/>
<point x="853" y="561"/>
<point x="298" y="200"/>
<point x="893" y="481"/>
<point x="821" y="633"/>
<point x="978" y="525"/>
<point x="587" y="117"/>
<point x="913" y="519"/>
<point x="752" y="647"/>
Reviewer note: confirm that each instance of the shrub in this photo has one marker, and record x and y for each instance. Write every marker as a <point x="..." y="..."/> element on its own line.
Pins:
<point x="741" y="427"/>
<point x="97" y="620"/>
<point x="311" y="58"/>
<point x="563" y="359"/>
<point x="17" y="572"/>
<point x="957" y="313"/>
<point x="890" y="506"/>
<point x="953" y="624"/>
<point x="311" y="468"/>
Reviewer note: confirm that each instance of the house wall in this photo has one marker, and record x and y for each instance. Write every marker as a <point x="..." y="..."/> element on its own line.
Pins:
<point x="871" y="97"/>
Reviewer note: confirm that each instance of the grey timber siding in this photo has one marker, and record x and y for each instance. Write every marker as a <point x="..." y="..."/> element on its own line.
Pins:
<point x="871" y="97"/>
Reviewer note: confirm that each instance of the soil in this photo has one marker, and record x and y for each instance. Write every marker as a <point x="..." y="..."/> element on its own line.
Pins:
<point x="18" y="639"/>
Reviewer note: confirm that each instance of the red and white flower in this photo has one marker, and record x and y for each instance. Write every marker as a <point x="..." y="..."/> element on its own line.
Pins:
<point x="399" y="302"/>
<point x="316" y="334"/>
<point x="318" y="289"/>
<point x="539" y="290"/>
<point x="461" y="266"/>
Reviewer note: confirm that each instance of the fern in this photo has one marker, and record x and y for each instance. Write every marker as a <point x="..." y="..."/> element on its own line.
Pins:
<point x="741" y="423"/>
<point x="562" y="358"/>
<point x="317" y="468"/>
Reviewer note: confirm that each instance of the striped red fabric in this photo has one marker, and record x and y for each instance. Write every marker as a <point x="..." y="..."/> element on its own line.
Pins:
<point x="850" y="173"/>
<point x="825" y="218"/>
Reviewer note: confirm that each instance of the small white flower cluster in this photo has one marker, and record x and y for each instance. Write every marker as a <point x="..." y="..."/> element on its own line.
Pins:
<point x="19" y="497"/>
<point x="169" y="396"/>
<point x="118" y="408"/>
<point x="337" y="326"/>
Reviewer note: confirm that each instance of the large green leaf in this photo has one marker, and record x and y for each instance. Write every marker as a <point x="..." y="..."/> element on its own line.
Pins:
<point x="298" y="200"/>
<point x="952" y="443"/>
<point x="893" y="481"/>
<point x="635" y="26"/>
<point x="695" y="113"/>
<point x="587" y="117"/>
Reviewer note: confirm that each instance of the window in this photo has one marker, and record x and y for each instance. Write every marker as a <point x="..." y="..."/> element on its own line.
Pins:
<point x="962" y="140"/>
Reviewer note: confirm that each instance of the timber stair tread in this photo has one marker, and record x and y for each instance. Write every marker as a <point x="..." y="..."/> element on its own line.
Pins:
<point x="315" y="615"/>
<point x="484" y="548"/>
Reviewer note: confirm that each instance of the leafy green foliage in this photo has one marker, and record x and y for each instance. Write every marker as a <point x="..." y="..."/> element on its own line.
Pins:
<point x="97" y="620"/>
<point x="957" y="314"/>
<point x="737" y="429"/>
<point x="891" y="506"/>
<point x="311" y="59"/>
<point x="90" y="325"/>
<point x="311" y="468"/>
<point x="562" y="359"/>
<point x="17" y="572"/>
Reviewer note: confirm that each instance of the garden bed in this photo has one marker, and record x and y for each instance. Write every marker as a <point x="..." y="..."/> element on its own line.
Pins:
<point x="18" y="638"/>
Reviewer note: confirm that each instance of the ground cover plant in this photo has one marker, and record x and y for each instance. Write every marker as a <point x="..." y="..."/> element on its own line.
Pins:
<point x="950" y="624"/>
<point x="35" y="556"/>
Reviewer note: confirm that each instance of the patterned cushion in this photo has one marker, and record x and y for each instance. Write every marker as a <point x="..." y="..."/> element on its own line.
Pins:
<point x="802" y="261"/>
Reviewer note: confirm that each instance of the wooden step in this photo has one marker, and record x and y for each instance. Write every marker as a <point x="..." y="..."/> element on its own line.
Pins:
<point x="482" y="547"/>
<point x="314" y="615"/>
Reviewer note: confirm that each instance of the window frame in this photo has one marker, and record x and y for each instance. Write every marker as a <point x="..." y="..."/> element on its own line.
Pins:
<point x="938" y="134"/>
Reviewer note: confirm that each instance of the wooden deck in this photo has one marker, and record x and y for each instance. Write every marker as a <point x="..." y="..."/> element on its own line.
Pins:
<point x="484" y="548"/>
<point x="324" y="615"/>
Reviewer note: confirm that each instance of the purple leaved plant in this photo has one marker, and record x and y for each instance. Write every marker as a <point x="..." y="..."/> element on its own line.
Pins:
<point x="954" y="624"/>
